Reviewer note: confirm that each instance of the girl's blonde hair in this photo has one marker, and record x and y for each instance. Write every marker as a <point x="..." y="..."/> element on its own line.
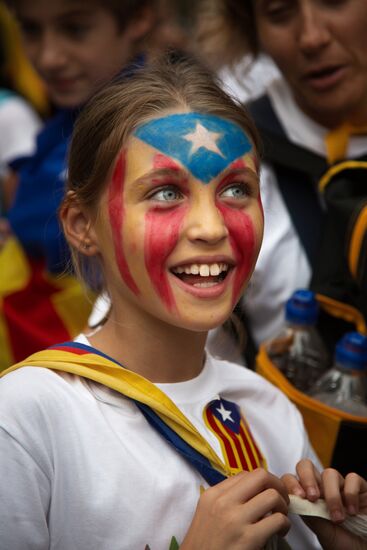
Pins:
<point x="112" y="115"/>
<point x="226" y="31"/>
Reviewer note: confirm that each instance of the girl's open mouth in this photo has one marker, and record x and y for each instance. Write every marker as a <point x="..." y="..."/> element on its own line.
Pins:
<point x="202" y="275"/>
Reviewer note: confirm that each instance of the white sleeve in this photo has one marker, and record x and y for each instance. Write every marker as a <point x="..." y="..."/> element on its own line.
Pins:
<point x="19" y="125"/>
<point x="281" y="268"/>
<point x="24" y="498"/>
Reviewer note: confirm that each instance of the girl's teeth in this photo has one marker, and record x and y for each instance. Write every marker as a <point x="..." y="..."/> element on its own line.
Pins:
<point x="204" y="271"/>
<point x="214" y="270"/>
<point x="206" y="284"/>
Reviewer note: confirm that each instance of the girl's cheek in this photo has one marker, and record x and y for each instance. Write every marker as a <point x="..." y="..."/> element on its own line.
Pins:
<point x="162" y="232"/>
<point x="116" y="212"/>
<point x="243" y="242"/>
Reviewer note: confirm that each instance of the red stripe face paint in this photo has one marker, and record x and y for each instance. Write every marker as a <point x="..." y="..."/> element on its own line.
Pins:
<point x="241" y="235"/>
<point x="243" y="243"/>
<point x="162" y="162"/>
<point x="162" y="230"/>
<point x="116" y="213"/>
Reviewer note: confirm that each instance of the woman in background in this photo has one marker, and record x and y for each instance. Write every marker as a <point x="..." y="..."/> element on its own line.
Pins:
<point x="318" y="101"/>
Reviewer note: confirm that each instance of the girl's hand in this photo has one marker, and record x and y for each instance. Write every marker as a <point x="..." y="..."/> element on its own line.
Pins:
<point x="242" y="513"/>
<point x="343" y="496"/>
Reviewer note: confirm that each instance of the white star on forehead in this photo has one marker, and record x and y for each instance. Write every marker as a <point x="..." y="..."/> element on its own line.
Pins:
<point x="202" y="137"/>
<point x="226" y="415"/>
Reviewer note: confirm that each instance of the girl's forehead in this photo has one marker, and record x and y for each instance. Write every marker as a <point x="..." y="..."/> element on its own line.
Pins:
<point x="205" y="144"/>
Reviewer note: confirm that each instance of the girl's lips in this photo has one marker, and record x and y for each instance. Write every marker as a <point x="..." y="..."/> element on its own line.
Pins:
<point x="325" y="79"/>
<point x="205" y="292"/>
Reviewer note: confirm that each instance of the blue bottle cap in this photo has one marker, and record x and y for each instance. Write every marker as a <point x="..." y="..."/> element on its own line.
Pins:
<point x="302" y="308"/>
<point x="351" y="351"/>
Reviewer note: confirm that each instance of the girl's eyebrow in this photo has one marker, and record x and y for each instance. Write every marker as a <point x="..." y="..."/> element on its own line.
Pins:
<point x="159" y="176"/>
<point x="236" y="168"/>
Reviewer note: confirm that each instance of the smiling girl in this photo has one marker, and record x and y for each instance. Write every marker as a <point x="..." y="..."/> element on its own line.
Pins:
<point x="108" y="442"/>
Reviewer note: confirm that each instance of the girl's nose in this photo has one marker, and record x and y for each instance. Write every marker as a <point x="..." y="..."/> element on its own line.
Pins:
<point x="205" y="223"/>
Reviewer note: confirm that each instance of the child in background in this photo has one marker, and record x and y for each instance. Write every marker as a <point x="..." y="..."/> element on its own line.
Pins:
<point x="108" y="442"/>
<point x="76" y="47"/>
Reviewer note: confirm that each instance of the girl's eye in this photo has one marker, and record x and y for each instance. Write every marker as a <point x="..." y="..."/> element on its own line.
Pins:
<point x="169" y="193"/>
<point x="235" y="191"/>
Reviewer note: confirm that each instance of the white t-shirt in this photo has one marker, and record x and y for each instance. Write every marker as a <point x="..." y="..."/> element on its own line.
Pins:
<point x="19" y="124"/>
<point x="82" y="469"/>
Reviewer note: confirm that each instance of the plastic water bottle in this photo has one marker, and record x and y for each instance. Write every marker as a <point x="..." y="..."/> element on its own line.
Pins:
<point x="344" y="386"/>
<point x="298" y="350"/>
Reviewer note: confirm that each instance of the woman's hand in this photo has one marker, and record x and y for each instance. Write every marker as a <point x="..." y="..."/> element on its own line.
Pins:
<point x="242" y="513"/>
<point x="343" y="496"/>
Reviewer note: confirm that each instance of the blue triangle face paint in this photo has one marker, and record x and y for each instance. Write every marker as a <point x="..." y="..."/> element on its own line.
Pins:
<point x="204" y="144"/>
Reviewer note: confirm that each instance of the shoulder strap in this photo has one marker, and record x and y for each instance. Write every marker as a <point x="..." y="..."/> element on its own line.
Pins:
<point x="298" y="171"/>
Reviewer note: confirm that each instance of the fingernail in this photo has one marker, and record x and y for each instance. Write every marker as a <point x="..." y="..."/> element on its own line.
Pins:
<point x="337" y="515"/>
<point x="297" y="491"/>
<point x="352" y="510"/>
<point x="312" y="492"/>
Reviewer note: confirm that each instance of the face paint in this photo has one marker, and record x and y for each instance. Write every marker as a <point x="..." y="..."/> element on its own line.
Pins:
<point x="241" y="230"/>
<point x="242" y="240"/>
<point x="204" y="144"/>
<point x="161" y="236"/>
<point x="116" y="213"/>
<point x="162" y="162"/>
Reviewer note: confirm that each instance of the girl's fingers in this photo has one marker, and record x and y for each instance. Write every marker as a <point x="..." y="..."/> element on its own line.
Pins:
<point x="263" y="504"/>
<point x="309" y="478"/>
<point x="293" y="486"/>
<point x="333" y="484"/>
<point x="355" y="494"/>
<point x="247" y="485"/>
<point x="270" y="525"/>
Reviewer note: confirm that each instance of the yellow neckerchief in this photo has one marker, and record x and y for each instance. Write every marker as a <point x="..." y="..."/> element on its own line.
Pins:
<point x="87" y="362"/>
<point x="337" y="141"/>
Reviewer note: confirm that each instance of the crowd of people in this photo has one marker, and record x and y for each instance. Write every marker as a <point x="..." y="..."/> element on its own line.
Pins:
<point x="147" y="185"/>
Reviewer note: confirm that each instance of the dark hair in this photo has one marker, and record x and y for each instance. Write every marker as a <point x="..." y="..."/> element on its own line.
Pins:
<point x="226" y="31"/>
<point x="113" y="114"/>
<point x="123" y="10"/>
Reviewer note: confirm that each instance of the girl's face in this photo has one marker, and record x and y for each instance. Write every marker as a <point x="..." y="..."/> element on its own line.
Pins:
<point x="75" y="45"/>
<point x="320" y="47"/>
<point x="181" y="220"/>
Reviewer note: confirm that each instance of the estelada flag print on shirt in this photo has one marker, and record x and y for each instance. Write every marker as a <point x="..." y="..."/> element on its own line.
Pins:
<point x="239" y="448"/>
<point x="204" y="144"/>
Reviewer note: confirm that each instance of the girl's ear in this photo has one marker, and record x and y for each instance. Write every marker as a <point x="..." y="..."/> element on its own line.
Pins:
<point x="77" y="225"/>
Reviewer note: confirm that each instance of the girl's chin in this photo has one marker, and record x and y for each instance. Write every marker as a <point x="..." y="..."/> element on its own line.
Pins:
<point x="201" y="323"/>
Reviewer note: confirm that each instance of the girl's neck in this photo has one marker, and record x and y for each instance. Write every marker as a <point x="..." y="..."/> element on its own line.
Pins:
<point x="158" y="351"/>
